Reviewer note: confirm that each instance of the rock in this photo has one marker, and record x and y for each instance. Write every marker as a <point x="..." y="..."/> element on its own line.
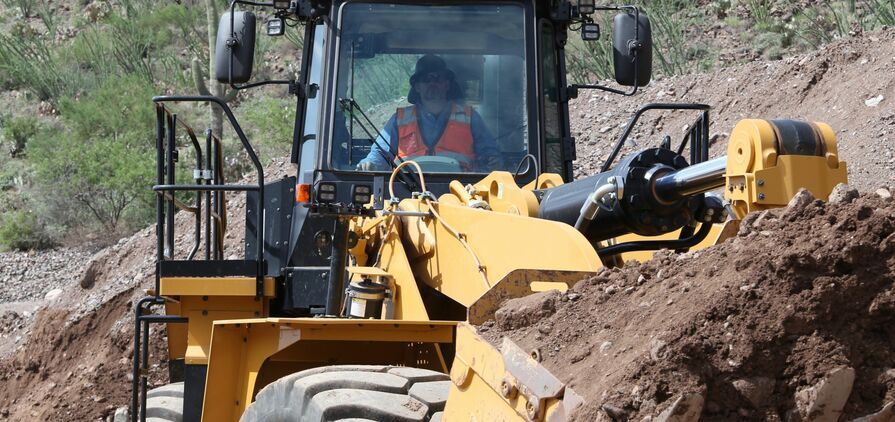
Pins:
<point x="604" y="347"/>
<point x="802" y="199"/>
<point x="90" y="274"/>
<point x="824" y="401"/>
<point x="763" y="218"/>
<point x="580" y="355"/>
<point x="686" y="408"/>
<point x="574" y="296"/>
<point x="657" y="349"/>
<point x="887" y="414"/>
<point x="746" y="224"/>
<point x="756" y="390"/>
<point x="53" y="294"/>
<point x="121" y="415"/>
<point x="884" y="194"/>
<point x="615" y="413"/>
<point x="843" y="193"/>
<point x="874" y="101"/>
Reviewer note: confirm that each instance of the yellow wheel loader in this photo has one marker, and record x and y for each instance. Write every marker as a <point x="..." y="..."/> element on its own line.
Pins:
<point x="434" y="182"/>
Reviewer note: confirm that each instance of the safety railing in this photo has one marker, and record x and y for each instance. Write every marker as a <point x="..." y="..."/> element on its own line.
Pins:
<point x="208" y="182"/>
<point x="697" y="136"/>
<point x="210" y="189"/>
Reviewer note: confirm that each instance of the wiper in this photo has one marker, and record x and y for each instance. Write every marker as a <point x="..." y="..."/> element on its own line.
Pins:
<point x="385" y="151"/>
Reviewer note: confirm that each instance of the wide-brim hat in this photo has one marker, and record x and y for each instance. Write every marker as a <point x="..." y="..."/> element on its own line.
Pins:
<point x="431" y="63"/>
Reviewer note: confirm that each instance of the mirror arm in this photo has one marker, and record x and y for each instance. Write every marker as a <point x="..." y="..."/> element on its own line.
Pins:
<point x="633" y="46"/>
<point x="572" y="90"/>
<point x="295" y="88"/>
<point x="250" y="3"/>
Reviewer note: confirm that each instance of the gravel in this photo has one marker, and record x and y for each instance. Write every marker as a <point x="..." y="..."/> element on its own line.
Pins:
<point x="28" y="276"/>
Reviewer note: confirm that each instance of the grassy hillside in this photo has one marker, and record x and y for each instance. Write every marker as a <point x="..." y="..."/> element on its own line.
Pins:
<point x="697" y="36"/>
<point x="76" y="123"/>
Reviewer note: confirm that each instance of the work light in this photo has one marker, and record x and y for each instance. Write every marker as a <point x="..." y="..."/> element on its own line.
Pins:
<point x="326" y="192"/>
<point x="360" y="194"/>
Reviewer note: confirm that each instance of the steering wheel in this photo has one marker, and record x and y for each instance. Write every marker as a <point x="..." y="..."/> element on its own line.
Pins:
<point x="437" y="163"/>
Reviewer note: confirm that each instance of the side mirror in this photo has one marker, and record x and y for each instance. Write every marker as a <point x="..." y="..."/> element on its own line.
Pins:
<point x="235" y="48"/>
<point x="625" y="44"/>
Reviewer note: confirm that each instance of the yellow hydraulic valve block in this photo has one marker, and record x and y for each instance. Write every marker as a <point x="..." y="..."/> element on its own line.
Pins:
<point x="768" y="161"/>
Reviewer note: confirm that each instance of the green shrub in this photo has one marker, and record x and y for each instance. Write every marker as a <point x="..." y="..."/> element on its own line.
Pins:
<point x="22" y="230"/>
<point x="14" y="175"/>
<point x="268" y="123"/>
<point x="17" y="131"/>
<point x="28" y="61"/>
<point x="102" y="163"/>
<point x="24" y="6"/>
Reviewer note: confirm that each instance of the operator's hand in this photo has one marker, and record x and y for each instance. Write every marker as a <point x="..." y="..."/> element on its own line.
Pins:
<point x="364" y="165"/>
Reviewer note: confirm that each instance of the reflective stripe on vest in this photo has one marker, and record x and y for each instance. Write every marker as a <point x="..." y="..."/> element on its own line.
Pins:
<point x="456" y="140"/>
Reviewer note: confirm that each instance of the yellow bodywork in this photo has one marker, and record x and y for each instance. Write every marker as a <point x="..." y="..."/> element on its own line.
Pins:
<point x="476" y="247"/>
<point x="759" y="178"/>
<point x="248" y="354"/>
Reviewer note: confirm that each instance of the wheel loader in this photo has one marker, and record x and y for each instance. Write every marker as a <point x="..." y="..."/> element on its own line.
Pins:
<point x="364" y="274"/>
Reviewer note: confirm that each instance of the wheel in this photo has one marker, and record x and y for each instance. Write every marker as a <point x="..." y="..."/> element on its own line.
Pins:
<point x="165" y="403"/>
<point x="352" y="392"/>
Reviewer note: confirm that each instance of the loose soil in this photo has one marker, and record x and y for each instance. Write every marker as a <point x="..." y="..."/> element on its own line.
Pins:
<point x="72" y="360"/>
<point x="799" y="292"/>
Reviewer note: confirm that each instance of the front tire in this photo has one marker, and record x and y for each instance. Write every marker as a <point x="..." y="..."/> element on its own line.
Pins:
<point x="355" y="392"/>
<point x="165" y="403"/>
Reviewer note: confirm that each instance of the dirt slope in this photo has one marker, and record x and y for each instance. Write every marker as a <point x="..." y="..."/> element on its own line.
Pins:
<point x="840" y="84"/>
<point x="74" y="364"/>
<point x="745" y="326"/>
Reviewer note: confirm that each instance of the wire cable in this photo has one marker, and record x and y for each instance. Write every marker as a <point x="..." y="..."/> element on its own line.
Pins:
<point x="391" y="180"/>
<point x="430" y="201"/>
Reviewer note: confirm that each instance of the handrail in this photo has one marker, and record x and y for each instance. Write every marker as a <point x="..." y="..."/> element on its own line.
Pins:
<point x="163" y="186"/>
<point x="636" y="116"/>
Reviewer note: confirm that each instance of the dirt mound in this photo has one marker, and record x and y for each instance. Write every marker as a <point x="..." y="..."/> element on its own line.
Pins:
<point x="849" y="84"/>
<point x="802" y="294"/>
<point x="72" y="361"/>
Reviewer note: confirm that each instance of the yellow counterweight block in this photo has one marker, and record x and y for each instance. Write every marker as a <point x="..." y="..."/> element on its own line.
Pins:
<point x="768" y="161"/>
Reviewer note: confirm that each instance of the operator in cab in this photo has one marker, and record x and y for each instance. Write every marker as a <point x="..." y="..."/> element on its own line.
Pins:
<point x="436" y="124"/>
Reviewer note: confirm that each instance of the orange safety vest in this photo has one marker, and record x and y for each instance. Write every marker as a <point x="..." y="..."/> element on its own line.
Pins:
<point x="456" y="140"/>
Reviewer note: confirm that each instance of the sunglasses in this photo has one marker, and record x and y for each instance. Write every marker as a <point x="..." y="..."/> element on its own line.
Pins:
<point x="433" y="77"/>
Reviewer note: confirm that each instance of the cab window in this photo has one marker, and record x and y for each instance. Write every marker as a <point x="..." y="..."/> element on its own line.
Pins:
<point x="441" y="85"/>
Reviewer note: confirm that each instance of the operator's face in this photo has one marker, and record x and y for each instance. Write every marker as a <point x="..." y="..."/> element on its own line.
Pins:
<point x="433" y="86"/>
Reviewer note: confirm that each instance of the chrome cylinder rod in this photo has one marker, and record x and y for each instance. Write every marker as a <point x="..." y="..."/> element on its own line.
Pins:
<point x="692" y="180"/>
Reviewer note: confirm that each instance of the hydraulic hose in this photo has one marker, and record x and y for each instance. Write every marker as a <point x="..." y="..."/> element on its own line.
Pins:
<point x="592" y="206"/>
<point x="700" y="235"/>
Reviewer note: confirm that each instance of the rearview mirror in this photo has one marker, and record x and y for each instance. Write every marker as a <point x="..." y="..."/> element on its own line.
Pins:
<point x="626" y="46"/>
<point x="235" y="48"/>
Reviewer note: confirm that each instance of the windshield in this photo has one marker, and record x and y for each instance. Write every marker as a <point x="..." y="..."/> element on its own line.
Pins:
<point x="441" y="85"/>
